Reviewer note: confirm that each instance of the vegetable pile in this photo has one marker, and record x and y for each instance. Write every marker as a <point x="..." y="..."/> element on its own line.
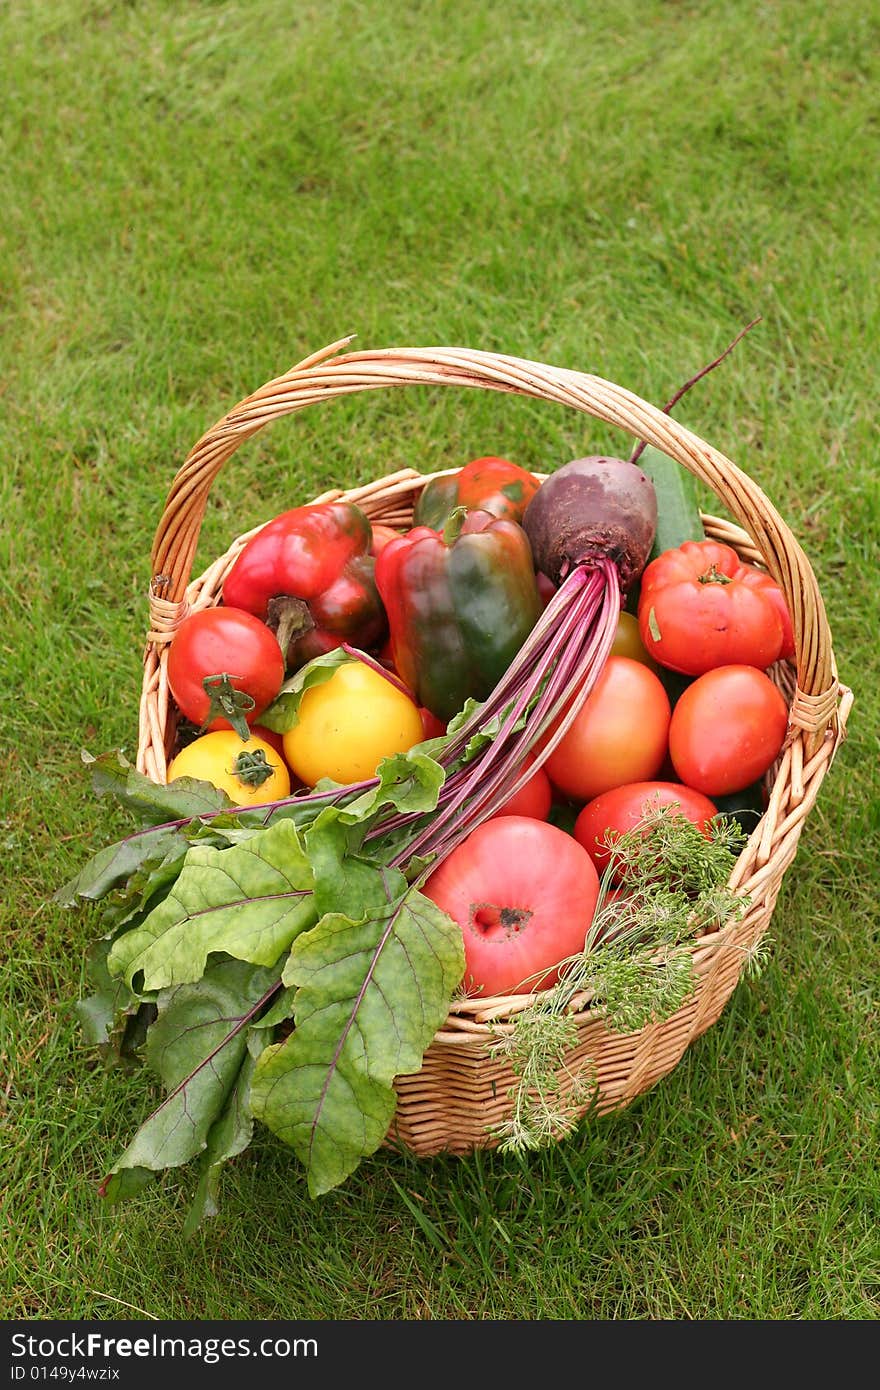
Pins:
<point x="508" y="752"/>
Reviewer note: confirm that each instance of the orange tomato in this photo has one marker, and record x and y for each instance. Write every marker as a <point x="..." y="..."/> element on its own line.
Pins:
<point x="619" y="735"/>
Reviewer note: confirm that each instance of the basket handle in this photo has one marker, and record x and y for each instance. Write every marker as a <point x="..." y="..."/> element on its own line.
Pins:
<point x="324" y="375"/>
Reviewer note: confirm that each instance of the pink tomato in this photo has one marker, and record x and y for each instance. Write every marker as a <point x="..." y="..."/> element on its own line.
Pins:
<point x="523" y="893"/>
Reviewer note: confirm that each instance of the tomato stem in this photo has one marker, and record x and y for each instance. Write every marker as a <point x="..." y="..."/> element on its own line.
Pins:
<point x="252" y="768"/>
<point x="714" y="576"/>
<point x="226" y="702"/>
<point x="489" y="918"/>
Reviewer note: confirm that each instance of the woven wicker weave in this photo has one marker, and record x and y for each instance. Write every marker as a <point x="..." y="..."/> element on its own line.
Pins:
<point x="460" y="1093"/>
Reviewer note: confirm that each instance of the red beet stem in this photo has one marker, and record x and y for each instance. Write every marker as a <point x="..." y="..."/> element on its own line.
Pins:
<point x="642" y="444"/>
<point x="556" y="668"/>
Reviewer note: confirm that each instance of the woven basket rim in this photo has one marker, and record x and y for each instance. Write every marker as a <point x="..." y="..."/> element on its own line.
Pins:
<point x="325" y="375"/>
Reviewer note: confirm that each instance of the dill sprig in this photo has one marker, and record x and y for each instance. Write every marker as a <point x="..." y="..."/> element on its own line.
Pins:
<point x="636" y="966"/>
<point x="547" y="1094"/>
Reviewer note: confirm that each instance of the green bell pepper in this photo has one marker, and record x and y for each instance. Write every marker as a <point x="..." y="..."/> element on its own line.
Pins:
<point x="460" y="604"/>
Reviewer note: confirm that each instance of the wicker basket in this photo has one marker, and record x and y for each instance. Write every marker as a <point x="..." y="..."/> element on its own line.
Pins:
<point x="461" y="1092"/>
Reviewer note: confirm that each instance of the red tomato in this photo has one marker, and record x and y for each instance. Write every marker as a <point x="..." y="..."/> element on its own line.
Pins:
<point x="523" y="893"/>
<point x="546" y="588"/>
<point x="700" y="607"/>
<point x="381" y="537"/>
<point x="726" y="729"/>
<point x="534" y="798"/>
<point x="432" y="727"/>
<point x="613" y="928"/>
<point x="224" y="641"/>
<point x="620" y="809"/>
<point x="619" y="735"/>
<point x="615" y="894"/>
<point x="754" y="578"/>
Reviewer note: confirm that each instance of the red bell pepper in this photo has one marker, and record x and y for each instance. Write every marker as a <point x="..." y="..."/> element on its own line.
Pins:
<point x="309" y="574"/>
<point x="487" y="484"/>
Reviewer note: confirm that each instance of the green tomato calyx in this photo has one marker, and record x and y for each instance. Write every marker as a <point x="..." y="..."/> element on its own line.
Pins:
<point x="252" y="768"/>
<point x="714" y="576"/>
<point x="226" y="702"/>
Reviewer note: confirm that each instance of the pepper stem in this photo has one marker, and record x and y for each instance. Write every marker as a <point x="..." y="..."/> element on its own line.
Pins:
<point x="289" y="618"/>
<point x="454" y="523"/>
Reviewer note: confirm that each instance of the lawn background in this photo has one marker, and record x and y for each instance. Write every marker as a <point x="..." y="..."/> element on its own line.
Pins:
<point x="196" y="195"/>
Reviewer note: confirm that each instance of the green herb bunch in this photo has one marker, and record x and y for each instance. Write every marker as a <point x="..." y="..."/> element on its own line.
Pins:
<point x="636" y="967"/>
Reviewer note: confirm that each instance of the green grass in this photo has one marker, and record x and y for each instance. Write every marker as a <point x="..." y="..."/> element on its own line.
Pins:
<point x="195" y="196"/>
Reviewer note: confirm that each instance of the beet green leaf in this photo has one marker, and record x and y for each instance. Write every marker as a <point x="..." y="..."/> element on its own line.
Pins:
<point x="198" y="1046"/>
<point x="370" y="994"/>
<point x="248" y="901"/>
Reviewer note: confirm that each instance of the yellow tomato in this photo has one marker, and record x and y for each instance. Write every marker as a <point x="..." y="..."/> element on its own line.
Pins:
<point x="349" y="724"/>
<point x="628" y="641"/>
<point x="236" y="767"/>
